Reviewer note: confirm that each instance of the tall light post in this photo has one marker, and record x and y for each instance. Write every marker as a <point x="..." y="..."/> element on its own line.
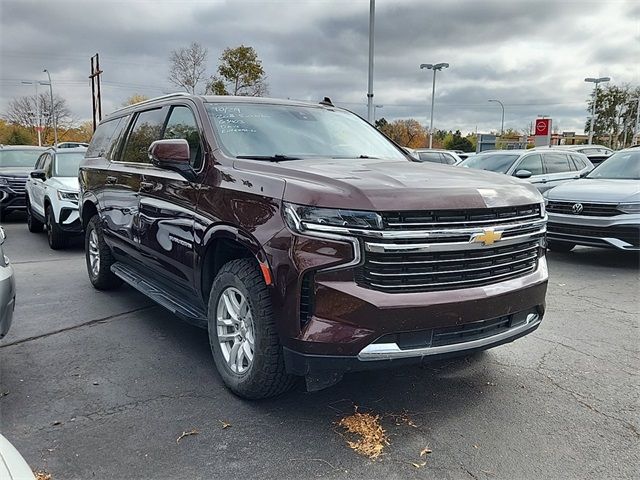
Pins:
<point x="595" y="81"/>
<point x="376" y="107"/>
<point x="38" y="119"/>
<point x="370" y="107"/>
<point x="435" y="68"/>
<point x="502" y="122"/>
<point x="53" y="110"/>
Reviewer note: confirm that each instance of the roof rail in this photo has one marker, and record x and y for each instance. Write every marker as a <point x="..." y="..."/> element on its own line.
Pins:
<point x="162" y="97"/>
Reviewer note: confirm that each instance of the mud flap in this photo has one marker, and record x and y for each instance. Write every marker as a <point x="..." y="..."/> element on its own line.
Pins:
<point x="321" y="380"/>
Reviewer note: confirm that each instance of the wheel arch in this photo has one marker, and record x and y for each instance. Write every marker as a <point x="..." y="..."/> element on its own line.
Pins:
<point x="88" y="209"/>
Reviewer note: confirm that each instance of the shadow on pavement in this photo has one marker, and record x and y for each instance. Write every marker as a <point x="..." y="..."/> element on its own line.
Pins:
<point x="598" y="257"/>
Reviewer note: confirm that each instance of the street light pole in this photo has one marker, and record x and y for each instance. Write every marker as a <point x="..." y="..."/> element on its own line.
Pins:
<point x="38" y="121"/>
<point x="53" y="111"/>
<point x="370" y="107"/>
<point x="595" y="81"/>
<point x="502" y="122"/>
<point x="435" y="68"/>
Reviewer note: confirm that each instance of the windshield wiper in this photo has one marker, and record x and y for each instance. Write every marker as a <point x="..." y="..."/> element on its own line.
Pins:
<point x="361" y="156"/>
<point x="272" y="158"/>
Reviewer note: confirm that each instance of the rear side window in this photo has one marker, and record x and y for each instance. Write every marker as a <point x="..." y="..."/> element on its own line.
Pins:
<point x="182" y="124"/>
<point x="448" y="159"/>
<point x="556" y="162"/>
<point x="147" y="128"/>
<point x="533" y="163"/>
<point x="430" y="157"/>
<point x="578" y="162"/>
<point x="105" y="138"/>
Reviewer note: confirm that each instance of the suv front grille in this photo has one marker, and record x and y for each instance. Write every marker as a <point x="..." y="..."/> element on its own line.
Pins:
<point x="458" y="252"/>
<point x="631" y="235"/>
<point x="588" y="209"/>
<point x="17" y="184"/>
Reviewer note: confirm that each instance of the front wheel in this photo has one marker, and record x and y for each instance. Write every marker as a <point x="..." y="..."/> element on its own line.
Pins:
<point x="562" y="247"/>
<point x="33" y="224"/>
<point x="242" y="333"/>
<point x="55" y="235"/>
<point x="99" y="257"/>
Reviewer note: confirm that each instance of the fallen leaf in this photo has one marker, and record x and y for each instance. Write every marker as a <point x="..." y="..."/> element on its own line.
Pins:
<point x="186" y="434"/>
<point x="42" y="475"/>
<point x="419" y="465"/>
<point x="372" y="437"/>
<point x="3" y="394"/>
<point x="224" y="424"/>
<point x="57" y="422"/>
<point x="476" y="446"/>
<point x="491" y="384"/>
<point x="425" y="451"/>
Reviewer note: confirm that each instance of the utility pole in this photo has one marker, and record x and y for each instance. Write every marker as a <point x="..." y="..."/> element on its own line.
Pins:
<point x="502" y="123"/>
<point x="53" y="110"/>
<point x="435" y="68"/>
<point x="636" y="132"/>
<point x="38" y="118"/>
<point x="595" y="81"/>
<point x="96" y="97"/>
<point x="370" y="107"/>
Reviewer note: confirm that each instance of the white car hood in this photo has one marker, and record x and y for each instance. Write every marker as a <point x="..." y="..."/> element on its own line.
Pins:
<point x="64" y="183"/>
<point x="597" y="190"/>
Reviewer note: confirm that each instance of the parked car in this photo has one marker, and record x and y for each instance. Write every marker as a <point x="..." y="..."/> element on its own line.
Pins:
<point x="303" y="239"/>
<point x="543" y="168"/>
<point x="72" y="145"/>
<point x="595" y="153"/>
<point x="600" y="210"/>
<point x="52" y="195"/>
<point x="446" y="157"/>
<point x="16" y="162"/>
<point x="7" y="289"/>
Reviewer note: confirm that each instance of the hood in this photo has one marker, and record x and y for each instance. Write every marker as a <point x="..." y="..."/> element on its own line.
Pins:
<point x="15" y="171"/>
<point x="597" y="190"/>
<point x="369" y="184"/>
<point x="65" y="183"/>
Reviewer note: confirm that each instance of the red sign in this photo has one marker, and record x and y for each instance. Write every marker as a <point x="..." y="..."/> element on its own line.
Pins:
<point x="543" y="127"/>
<point x="40" y="129"/>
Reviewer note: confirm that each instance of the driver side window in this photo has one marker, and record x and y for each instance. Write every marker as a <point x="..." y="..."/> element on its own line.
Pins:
<point x="182" y="124"/>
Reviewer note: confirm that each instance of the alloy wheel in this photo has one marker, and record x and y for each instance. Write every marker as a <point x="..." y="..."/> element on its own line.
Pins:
<point x="94" y="253"/>
<point x="234" y="326"/>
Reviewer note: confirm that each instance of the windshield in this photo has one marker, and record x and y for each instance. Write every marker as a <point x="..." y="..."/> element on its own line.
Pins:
<point x="19" y="158"/>
<point x="67" y="164"/>
<point x="281" y="132"/>
<point x="494" y="162"/>
<point x="620" y="165"/>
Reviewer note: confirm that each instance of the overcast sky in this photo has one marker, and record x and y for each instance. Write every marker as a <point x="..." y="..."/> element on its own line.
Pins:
<point x="533" y="55"/>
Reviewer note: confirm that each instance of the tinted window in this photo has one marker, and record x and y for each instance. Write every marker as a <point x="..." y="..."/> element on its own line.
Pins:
<point x="105" y="137"/>
<point x="19" y="158"/>
<point x="448" y="159"/>
<point x="556" y="162"/>
<point x="146" y="130"/>
<point x="494" y="162"/>
<point x="66" y="164"/>
<point x="40" y="161"/>
<point x="47" y="165"/>
<point x="620" y="165"/>
<point x="430" y="157"/>
<point x="182" y="124"/>
<point x="578" y="162"/>
<point x="533" y="163"/>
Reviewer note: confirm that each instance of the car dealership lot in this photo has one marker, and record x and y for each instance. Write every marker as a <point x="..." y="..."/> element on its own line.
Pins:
<point x="102" y="384"/>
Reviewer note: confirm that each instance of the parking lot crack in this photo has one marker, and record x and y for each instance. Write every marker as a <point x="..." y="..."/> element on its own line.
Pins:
<point x="80" y="325"/>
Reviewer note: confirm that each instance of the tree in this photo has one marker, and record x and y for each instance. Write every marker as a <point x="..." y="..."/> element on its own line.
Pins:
<point x="458" y="142"/>
<point x="23" y="111"/>
<point x="408" y="133"/>
<point x="240" y="73"/>
<point x="187" y="66"/>
<point x="381" y="123"/>
<point x="615" y="114"/>
<point x="133" y="99"/>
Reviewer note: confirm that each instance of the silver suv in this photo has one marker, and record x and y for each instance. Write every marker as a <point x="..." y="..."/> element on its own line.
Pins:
<point x="544" y="168"/>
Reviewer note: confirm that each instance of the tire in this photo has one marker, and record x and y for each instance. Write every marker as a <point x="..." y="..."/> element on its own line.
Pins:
<point x="95" y="248"/>
<point x="33" y="224"/>
<point x="55" y="235"/>
<point x="265" y="376"/>
<point x="561" y="247"/>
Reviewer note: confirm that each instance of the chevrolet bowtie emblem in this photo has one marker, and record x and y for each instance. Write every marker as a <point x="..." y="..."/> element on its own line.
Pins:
<point x="488" y="237"/>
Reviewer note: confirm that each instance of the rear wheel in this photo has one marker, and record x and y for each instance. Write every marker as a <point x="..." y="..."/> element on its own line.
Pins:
<point x="99" y="257"/>
<point x="33" y="224"/>
<point x="562" y="247"/>
<point x="55" y="235"/>
<point x="242" y="333"/>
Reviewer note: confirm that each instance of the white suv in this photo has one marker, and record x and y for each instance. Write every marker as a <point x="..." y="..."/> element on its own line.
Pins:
<point x="52" y="195"/>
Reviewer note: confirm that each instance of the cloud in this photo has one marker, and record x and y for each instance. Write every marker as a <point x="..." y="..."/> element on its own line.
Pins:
<point x="531" y="55"/>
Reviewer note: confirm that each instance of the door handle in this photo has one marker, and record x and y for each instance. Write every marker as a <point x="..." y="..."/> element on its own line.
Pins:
<point x="111" y="180"/>
<point x="147" y="186"/>
<point x="544" y="180"/>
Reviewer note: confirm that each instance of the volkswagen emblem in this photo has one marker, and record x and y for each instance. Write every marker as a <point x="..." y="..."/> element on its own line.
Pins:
<point x="577" y="208"/>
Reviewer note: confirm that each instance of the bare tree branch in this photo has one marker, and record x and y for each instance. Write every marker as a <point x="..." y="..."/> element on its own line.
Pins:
<point x="187" y="66"/>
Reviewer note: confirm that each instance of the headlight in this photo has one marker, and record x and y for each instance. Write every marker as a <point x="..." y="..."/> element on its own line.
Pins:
<point x="68" y="196"/>
<point x="301" y="218"/>
<point x="633" y="207"/>
<point x="3" y="181"/>
<point x="543" y="207"/>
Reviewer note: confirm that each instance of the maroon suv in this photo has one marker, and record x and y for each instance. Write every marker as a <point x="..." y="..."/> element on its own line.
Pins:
<point x="305" y="241"/>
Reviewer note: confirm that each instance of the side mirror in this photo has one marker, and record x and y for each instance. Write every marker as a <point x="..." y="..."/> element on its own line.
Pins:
<point x="172" y="154"/>
<point x="38" y="174"/>
<point x="523" y="174"/>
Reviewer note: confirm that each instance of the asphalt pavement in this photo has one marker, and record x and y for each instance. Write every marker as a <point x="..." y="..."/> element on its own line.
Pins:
<point x="102" y="384"/>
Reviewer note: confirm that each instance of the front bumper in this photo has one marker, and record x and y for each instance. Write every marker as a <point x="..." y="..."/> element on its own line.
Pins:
<point x="69" y="219"/>
<point x="621" y="231"/>
<point x="11" y="200"/>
